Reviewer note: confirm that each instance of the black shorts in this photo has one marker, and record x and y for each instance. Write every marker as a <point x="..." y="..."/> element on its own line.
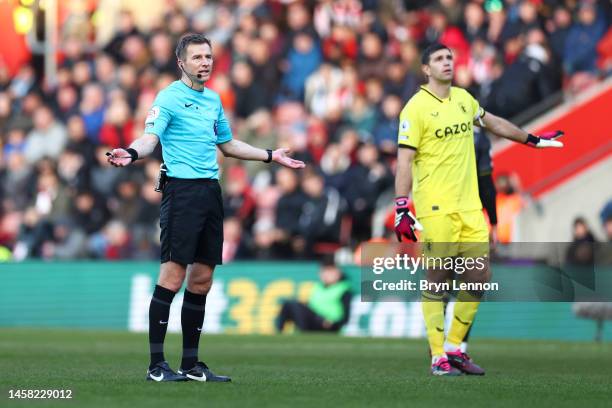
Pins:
<point x="191" y="221"/>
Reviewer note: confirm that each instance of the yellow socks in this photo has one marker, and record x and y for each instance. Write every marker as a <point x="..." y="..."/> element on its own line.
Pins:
<point x="464" y="312"/>
<point x="433" y="313"/>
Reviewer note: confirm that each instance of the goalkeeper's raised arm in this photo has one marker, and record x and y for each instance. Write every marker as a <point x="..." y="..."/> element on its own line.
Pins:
<point x="506" y="129"/>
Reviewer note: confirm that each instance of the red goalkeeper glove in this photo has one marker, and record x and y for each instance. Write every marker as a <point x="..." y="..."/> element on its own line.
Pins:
<point x="405" y="222"/>
<point x="546" y="139"/>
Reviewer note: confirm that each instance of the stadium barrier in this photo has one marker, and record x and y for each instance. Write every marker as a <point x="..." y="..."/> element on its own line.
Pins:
<point x="245" y="299"/>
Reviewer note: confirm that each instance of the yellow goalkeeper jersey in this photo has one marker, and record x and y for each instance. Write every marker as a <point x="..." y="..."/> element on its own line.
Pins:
<point x="444" y="168"/>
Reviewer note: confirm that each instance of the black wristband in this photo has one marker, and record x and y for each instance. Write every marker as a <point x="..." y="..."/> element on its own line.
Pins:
<point x="269" y="159"/>
<point x="531" y="139"/>
<point x="133" y="153"/>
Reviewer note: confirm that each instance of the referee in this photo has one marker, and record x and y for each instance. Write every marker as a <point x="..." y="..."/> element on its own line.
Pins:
<point x="188" y="119"/>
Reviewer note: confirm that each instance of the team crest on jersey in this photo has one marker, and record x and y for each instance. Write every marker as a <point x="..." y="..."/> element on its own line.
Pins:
<point x="462" y="106"/>
<point x="404" y="126"/>
<point x="153" y="113"/>
<point x="434" y="114"/>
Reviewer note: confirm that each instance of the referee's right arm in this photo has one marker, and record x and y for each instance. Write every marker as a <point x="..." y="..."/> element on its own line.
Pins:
<point x="143" y="146"/>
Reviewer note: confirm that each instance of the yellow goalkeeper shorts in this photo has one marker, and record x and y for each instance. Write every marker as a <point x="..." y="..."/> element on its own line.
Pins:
<point x="463" y="233"/>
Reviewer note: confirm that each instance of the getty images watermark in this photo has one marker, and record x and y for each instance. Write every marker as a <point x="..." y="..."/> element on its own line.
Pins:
<point x="521" y="272"/>
<point x="407" y="264"/>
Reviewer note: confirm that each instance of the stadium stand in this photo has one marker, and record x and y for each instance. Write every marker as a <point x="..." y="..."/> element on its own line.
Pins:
<point x="325" y="78"/>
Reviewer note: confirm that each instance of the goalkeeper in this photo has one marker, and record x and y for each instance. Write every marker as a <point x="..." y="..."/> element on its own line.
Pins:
<point x="436" y="160"/>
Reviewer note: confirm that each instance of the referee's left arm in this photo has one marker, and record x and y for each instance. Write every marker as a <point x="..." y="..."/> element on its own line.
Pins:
<point x="241" y="150"/>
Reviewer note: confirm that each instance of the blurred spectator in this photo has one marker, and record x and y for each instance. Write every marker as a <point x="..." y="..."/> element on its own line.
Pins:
<point x="48" y="137"/>
<point x="15" y="143"/>
<point x="104" y="177"/>
<point x="385" y="132"/>
<point x="118" y="127"/>
<point x="162" y="53"/>
<point x="89" y="211"/>
<point x="67" y="242"/>
<point x="92" y="109"/>
<point x="17" y="182"/>
<point x="73" y="170"/>
<point x="125" y="207"/>
<point x="51" y="200"/>
<point x="526" y="81"/>
<point x="78" y="141"/>
<point x="362" y="117"/>
<point x="233" y="240"/>
<point x="509" y="204"/>
<point x="126" y="28"/>
<point x="321" y="215"/>
<point x="474" y="21"/>
<point x="5" y="111"/>
<point x="288" y="209"/>
<point x="374" y="178"/>
<point x="265" y="69"/>
<point x="559" y="28"/>
<point x="250" y="93"/>
<point x="302" y="60"/>
<point x="581" y="43"/>
<point x="606" y="220"/>
<point x="399" y="81"/>
<point x="23" y="82"/>
<point x="580" y="252"/>
<point x="371" y="62"/>
<point x="33" y="233"/>
<point x="113" y="243"/>
<point x="328" y="305"/>
<point x="238" y="200"/>
<point x="66" y="103"/>
<point x="440" y="30"/>
<point x="106" y="72"/>
<point x="334" y="164"/>
<point x="323" y="90"/>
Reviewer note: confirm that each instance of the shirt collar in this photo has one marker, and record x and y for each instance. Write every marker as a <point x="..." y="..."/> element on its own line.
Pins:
<point x="423" y="88"/>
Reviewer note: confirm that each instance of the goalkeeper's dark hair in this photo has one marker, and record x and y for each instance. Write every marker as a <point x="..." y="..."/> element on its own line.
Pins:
<point x="430" y="50"/>
<point x="185" y="40"/>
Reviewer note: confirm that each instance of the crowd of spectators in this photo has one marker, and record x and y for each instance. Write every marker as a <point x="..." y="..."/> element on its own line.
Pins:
<point x="325" y="78"/>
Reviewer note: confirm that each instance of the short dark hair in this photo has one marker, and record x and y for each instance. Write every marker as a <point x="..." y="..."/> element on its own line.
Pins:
<point x="430" y="50"/>
<point x="185" y="40"/>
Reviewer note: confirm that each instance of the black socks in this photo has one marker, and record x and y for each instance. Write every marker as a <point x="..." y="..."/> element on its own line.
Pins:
<point x="192" y="318"/>
<point x="159" y="310"/>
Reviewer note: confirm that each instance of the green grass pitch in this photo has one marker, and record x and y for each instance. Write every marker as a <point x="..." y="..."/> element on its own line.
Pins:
<point x="107" y="369"/>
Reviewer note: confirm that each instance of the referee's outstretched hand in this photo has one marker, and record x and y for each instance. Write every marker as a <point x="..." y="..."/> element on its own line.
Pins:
<point x="281" y="157"/>
<point x="119" y="157"/>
